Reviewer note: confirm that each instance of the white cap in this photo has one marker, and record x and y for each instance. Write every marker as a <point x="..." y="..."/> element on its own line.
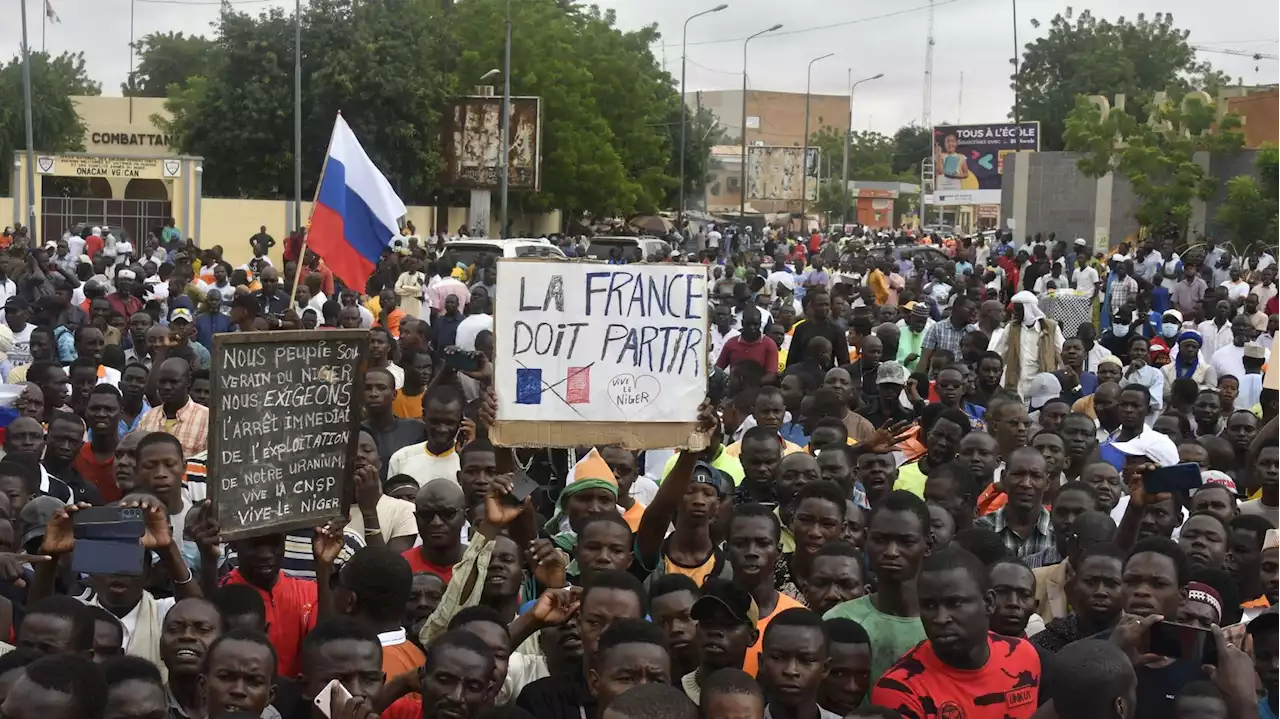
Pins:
<point x="1044" y="387"/>
<point x="96" y="231"/>
<point x="1151" y="444"/>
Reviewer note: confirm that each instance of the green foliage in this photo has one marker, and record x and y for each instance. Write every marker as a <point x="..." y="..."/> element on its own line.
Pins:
<point x="377" y="63"/>
<point x="610" y="114"/>
<point x="169" y="58"/>
<point x="871" y="154"/>
<point x="702" y="132"/>
<point x="1084" y="55"/>
<point x="911" y="144"/>
<point x="55" y="125"/>
<point x="834" y="203"/>
<point x="1157" y="156"/>
<point x="1250" y="211"/>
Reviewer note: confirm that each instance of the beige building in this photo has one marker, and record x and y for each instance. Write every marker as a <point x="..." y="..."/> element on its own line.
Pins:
<point x="135" y="180"/>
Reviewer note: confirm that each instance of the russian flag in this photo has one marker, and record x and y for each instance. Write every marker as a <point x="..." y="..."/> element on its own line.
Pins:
<point x="356" y="211"/>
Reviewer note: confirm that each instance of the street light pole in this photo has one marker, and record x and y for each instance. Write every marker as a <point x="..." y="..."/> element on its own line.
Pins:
<point x="1017" y="81"/>
<point x="506" y="127"/>
<point x="31" y="160"/>
<point x="804" y="158"/>
<point x="742" y="180"/>
<point x="297" y="117"/>
<point x="684" y="36"/>
<point x="848" y="137"/>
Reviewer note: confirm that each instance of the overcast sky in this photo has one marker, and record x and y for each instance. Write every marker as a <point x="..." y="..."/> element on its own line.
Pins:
<point x="973" y="37"/>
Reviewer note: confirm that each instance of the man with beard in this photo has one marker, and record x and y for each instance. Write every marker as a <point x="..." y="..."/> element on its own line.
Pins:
<point x="818" y="324"/>
<point x="947" y="334"/>
<point x="962" y="666"/>
<point x="897" y="540"/>
<point x="911" y="336"/>
<point x="943" y="429"/>
<point x="1031" y="341"/>
<point x="1073" y="500"/>
<point x="987" y="390"/>
<point x="188" y="630"/>
<point x="1052" y="581"/>
<point x="726" y="618"/>
<point x="1022" y="523"/>
<point x="752" y="545"/>
<point x="1094" y="595"/>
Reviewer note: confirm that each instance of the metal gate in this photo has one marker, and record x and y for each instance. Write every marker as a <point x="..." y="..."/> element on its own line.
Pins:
<point x="137" y="217"/>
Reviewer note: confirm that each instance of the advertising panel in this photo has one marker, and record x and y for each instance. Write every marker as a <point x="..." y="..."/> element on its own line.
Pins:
<point x="773" y="173"/>
<point x="969" y="160"/>
<point x="473" y="143"/>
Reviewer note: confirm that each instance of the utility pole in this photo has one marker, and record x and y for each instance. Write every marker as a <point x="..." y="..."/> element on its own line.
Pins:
<point x="31" y="160"/>
<point x="506" y="127"/>
<point x="297" y="117"/>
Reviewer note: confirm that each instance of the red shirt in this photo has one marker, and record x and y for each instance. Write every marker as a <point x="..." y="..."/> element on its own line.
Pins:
<point x="418" y="564"/>
<point x="126" y="306"/>
<point x="93" y="245"/>
<point x="1273" y="305"/>
<point x="291" y="613"/>
<point x="1008" y="687"/>
<point x="101" y="475"/>
<point x="763" y="351"/>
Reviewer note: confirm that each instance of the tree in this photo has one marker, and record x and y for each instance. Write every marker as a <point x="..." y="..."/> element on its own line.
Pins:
<point x="870" y="154"/>
<point x="1083" y="55"/>
<point x="702" y="132"/>
<point x="1156" y="156"/>
<point x="56" y="126"/>
<point x="375" y="62"/>
<point x="911" y="144"/>
<point x="1250" y="210"/>
<point x="169" y="58"/>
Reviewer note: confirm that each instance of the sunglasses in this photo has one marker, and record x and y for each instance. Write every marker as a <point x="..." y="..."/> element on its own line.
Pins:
<point x="446" y="514"/>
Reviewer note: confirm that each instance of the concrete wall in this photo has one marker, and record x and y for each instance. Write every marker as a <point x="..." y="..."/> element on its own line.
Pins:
<point x="1045" y="192"/>
<point x="781" y="113"/>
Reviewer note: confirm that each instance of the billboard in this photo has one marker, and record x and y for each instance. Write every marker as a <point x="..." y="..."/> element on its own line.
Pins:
<point x="473" y="143"/>
<point x="773" y="173"/>
<point x="968" y="160"/>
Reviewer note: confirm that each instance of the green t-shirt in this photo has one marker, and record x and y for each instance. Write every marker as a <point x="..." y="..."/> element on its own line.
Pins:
<point x="891" y="637"/>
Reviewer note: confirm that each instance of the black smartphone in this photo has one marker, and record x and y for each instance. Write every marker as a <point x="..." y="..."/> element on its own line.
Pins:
<point x="109" y="523"/>
<point x="1178" y="478"/>
<point x="462" y="361"/>
<point x="107" y="541"/>
<point x="521" y="489"/>
<point x="1183" y="641"/>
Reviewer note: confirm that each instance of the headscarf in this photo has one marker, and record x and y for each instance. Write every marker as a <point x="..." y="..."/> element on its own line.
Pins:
<point x="1031" y="312"/>
<point x="591" y="472"/>
<point x="1181" y="370"/>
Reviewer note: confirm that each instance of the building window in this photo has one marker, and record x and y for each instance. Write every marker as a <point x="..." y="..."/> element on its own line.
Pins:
<point x="734" y="184"/>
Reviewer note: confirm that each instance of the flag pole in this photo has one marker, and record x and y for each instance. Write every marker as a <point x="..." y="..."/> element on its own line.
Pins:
<point x="302" y="255"/>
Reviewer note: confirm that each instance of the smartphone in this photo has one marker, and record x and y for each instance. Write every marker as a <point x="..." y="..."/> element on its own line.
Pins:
<point x="324" y="699"/>
<point x="1183" y="641"/>
<point x="462" y="361"/>
<point x="109" y="523"/>
<point x="521" y="489"/>
<point x="107" y="541"/>
<point x="1178" y="478"/>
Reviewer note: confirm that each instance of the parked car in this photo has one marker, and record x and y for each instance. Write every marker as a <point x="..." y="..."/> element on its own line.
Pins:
<point x="634" y="249"/>
<point x="930" y="255"/>
<point x="466" y="252"/>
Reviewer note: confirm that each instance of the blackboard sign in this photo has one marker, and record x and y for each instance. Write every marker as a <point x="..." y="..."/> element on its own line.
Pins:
<point x="284" y="420"/>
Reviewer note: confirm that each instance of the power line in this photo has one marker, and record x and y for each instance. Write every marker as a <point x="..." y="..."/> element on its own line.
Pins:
<point x="846" y="23"/>
<point x="712" y="69"/>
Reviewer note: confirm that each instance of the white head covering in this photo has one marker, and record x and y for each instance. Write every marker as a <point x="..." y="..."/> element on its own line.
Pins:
<point x="96" y="231"/>
<point x="1030" y="307"/>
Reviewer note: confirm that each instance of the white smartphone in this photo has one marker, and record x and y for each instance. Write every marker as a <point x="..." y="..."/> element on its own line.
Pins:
<point x="324" y="700"/>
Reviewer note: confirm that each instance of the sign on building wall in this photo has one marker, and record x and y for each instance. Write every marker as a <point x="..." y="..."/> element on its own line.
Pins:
<point x="110" y="167"/>
<point x="968" y="160"/>
<point x="774" y="173"/>
<point x="473" y="143"/>
<point x="590" y="353"/>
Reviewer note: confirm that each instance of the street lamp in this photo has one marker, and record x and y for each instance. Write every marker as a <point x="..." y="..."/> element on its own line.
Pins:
<point x="742" y="204"/>
<point x="848" y="137"/>
<point x="683" y="37"/>
<point x="490" y="75"/>
<point x="804" y="158"/>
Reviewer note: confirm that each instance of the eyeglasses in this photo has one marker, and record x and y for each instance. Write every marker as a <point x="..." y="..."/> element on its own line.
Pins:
<point x="446" y="514"/>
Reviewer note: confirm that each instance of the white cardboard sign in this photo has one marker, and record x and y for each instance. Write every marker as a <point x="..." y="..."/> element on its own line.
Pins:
<point x="592" y="342"/>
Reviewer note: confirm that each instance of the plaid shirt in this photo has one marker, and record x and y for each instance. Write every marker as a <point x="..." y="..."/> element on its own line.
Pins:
<point x="190" y="426"/>
<point x="1121" y="290"/>
<point x="1040" y="539"/>
<point x="945" y="335"/>
<point x="1044" y="559"/>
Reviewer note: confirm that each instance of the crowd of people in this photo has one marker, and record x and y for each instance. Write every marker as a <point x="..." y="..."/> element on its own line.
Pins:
<point x="913" y="493"/>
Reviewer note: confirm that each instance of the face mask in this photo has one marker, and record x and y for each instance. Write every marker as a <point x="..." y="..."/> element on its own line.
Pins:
<point x="1119" y="330"/>
<point x="1169" y="329"/>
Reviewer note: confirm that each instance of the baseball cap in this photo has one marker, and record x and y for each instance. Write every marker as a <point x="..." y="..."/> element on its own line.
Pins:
<point x="35" y="515"/>
<point x="1081" y="241"/>
<point x="1151" y="444"/>
<point x="1213" y="476"/>
<point x="180" y="313"/>
<point x="16" y="303"/>
<point x="704" y="473"/>
<point x="892" y="373"/>
<point x="1044" y="387"/>
<point x="1269" y="619"/>
<point x="1174" y="314"/>
<point x="722" y="595"/>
